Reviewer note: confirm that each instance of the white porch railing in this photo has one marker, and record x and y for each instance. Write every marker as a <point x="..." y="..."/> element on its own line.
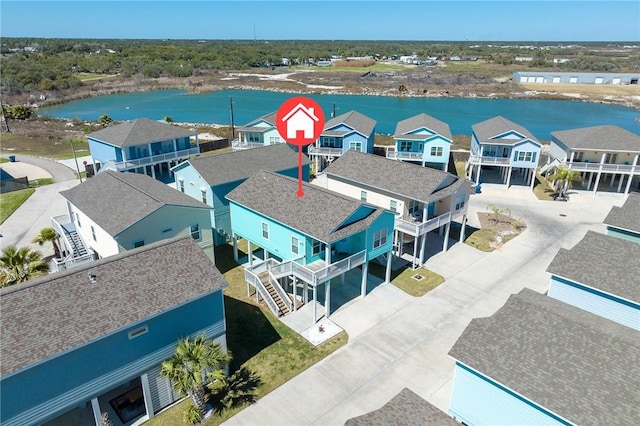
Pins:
<point x="154" y="159"/>
<point x="605" y="167"/>
<point x="476" y="159"/>
<point x="417" y="229"/>
<point x="239" y="145"/>
<point x="404" y="155"/>
<point x="291" y="267"/>
<point x="69" y="262"/>
<point x="283" y="294"/>
<point x="315" y="150"/>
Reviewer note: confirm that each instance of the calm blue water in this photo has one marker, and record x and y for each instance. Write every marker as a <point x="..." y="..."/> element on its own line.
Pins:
<point x="540" y="117"/>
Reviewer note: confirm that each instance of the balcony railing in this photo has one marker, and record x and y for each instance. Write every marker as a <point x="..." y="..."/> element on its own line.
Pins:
<point x="484" y="160"/>
<point x="253" y="279"/>
<point x="239" y="145"/>
<point x="404" y="155"/>
<point x="320" y="150"/>
<point x="313" y="277"/>
<point x="417" y="229"/>
<point x="58" y="265"/>
<point x="154" y="159"/>
<point x="605" y="167"/>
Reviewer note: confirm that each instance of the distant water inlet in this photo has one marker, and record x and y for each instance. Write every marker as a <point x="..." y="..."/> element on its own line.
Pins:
<point x="541" y="117"/>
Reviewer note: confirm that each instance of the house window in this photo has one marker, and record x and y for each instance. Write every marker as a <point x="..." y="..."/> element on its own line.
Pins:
<point x="93" y="233"/>
<point x="265" y="230"/>
<point x="181" y="185"/>
<point x="138" y="243"/>
<point x="413" y="207"/>
<point x="328" y="141"/>
<point x="525" y="156"/>
<point x="317" y="247"/>
<point x="459" y="203"/>
<point x="405" y="146"/>
<point x="274" y="139"/>
<point x="436" y="151"/>
<point x="355" y="146"/>
<point x="380" y="238"/>
<point x="295" y="245"/>
<point x="203" y="193"/>
<point x="363" y="195"/>
<point x="195" y="231"/>
<point x="578" y="156"/>
<point x="138" y="332"/>
<point x="253" y="137"/>
<point x="393" y="206"/>
<point x="610" y="158"/>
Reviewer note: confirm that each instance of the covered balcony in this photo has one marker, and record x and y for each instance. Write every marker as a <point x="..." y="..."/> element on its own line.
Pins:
<point x="152" y="160"/>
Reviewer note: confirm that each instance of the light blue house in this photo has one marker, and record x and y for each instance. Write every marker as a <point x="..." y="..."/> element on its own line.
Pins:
<point x="307" y="241"/>
<point x="624" y="222"/>
<point x="209" y="179"/>
<point x="90" y="340"/>
<point x="142" y="146"/>
<point x="539" y="361"/>
<point x="599" y="275"/>
<point x="257" y="133"/>
<point x="503" y="151"/>
<point x="113" y="212"/>
<point x="424" y="140"/>
<point x="351" y="131"/>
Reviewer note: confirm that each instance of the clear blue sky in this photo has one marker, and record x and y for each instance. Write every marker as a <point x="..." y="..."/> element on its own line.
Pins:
<point x="540" y="20"/>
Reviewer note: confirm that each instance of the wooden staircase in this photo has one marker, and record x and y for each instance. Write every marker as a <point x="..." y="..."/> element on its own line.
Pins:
<point x="282" y="307"/>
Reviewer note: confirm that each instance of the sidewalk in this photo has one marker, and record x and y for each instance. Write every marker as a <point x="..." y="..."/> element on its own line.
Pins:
<point x="397" y="341"/>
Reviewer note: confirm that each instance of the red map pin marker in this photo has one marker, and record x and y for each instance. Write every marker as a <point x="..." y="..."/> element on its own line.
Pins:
<point x="300" y="121"/>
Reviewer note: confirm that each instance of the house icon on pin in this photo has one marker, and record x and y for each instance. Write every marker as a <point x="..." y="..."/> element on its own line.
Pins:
<point x="300" y="119"/>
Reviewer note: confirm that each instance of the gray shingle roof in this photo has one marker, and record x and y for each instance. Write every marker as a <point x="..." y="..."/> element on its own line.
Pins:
<point x="596" y="138"/>
<point x="269" y="118"/>
<point x="487" y="130"/>
<point x="419" y="121"/>
<point x="218" y="169"/>
<point x="319" y="213"/>
<point x="399" y="177"/>
<point x="626" y="217"/>
<point x="606" y="263"/>
<point x="116" y="201"/>
<point x="56" y="313"/>
<point x="353" y="119"/>
<point x="140" y="131"/>
<point x="406" y="408"/>
<point x="583" y="367"/>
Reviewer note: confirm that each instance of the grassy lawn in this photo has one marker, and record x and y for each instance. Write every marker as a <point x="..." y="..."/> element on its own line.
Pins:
<point x="4" y="160"/>
<point x="10" y="201"/>
<point x="542" y="190"/>
<point x="460" y="169"/>
<point x="216" y="152"/>
<point x="40" y="182"/>
<point x="43" y="146"/>
<point x="481" y="239"/>
<point x="87" y="76"/>
<point x="257" y="340"/>
<point x="401" y="278"/>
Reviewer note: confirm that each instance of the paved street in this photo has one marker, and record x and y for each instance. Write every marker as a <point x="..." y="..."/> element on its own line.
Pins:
<point x="397" y="341"/>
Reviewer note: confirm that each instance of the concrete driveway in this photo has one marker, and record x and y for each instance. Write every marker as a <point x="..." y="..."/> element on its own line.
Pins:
<point x="397" y="341"/>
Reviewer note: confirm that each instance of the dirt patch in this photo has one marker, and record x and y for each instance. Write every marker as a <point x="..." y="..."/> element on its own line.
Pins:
<point x="503" y="228"/>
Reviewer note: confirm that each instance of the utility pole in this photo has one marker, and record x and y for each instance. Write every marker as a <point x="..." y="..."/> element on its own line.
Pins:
<point x="73" y="148"/>
<point x="233" y="135"/>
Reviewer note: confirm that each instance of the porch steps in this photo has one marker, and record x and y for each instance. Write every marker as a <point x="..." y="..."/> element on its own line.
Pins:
<point x="282" y="307"/>
<point x="79" y="249"/>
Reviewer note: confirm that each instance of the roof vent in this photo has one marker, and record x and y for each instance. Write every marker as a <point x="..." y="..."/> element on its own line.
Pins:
<point x="92" y="277"/>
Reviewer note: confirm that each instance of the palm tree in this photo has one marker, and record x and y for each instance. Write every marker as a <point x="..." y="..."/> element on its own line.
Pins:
<point x="195" y="363"/>
<point x="49" y="235"/>
<point x="497" y="212"/>
<point x="18" y="265"/>
<point x="105" y="120"/>
<point x="168" y="120"/>
<point x="566" y="177"/>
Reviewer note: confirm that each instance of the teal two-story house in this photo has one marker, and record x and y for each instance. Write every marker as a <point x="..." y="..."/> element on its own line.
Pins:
<point x="306" y="241"/>
<point x="424" y="140"/>
<point x="624" y="222"/>
<point x="258" y="133"/>
<point x="351" y="131"/>
<point x="209" y="179"/>
<point x="504" y="152"/>
<point x="87" y="343"/>
<point x="142" y="146"/>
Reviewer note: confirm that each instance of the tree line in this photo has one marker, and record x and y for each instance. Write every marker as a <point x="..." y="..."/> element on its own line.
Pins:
<point x="30" y="64"/>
